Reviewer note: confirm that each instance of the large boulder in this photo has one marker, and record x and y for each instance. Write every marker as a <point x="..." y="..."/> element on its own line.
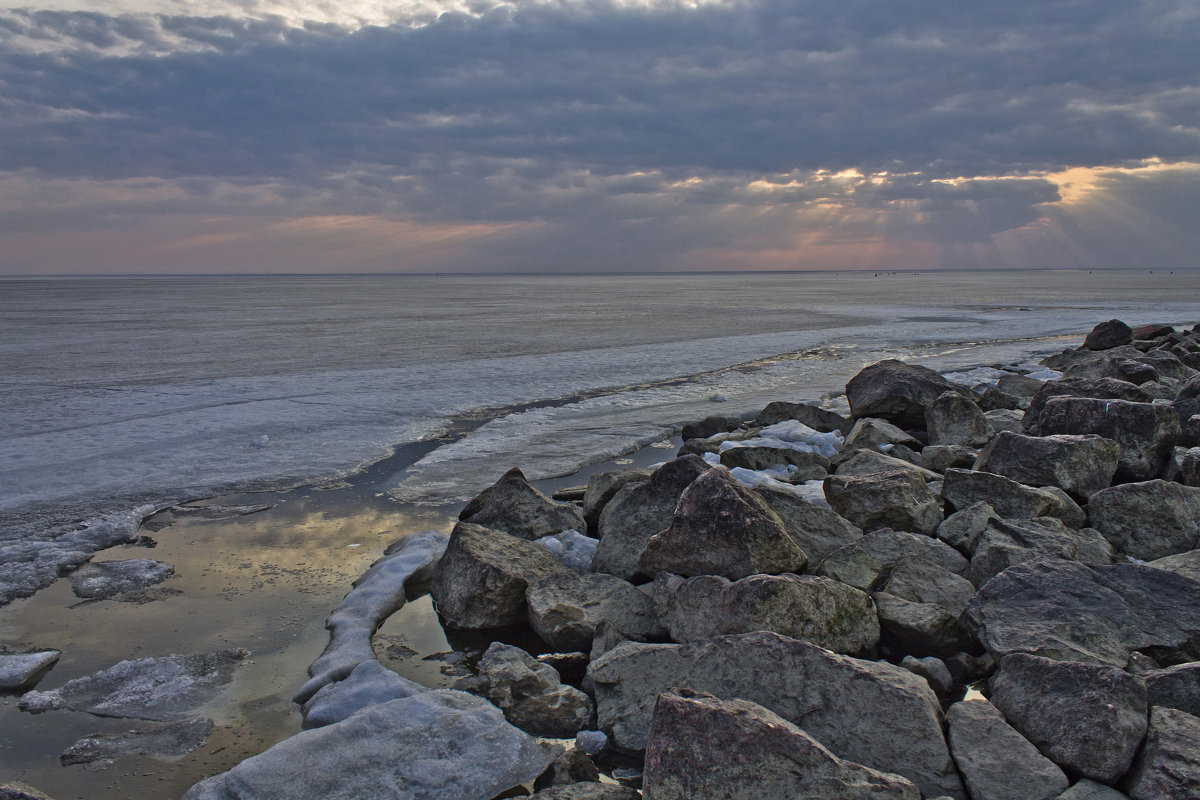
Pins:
<point x="875" y="714"/>
<point x="897" y="499"/>
<point x="1146" y="432"/>
<point x="870" y="433"/>
<point x="896" y="391"/>
<point x="870" y="462"/>
<point x="1189" y="467"/>
<point x="962" y="529"/>
<point x="818" y="610"/>
<point x="1091" y="613"/>
<point x="921" y="629"/>
<point x="816" y="529"/>
<point x="1009" y="499"/>
<point x="869" y="559"/>
<point x="1168" y="767"/>
<point x="481" y="579"/>
<point x="923" y="581"/>
<point x="808" y="466"/>
<point x="815" y="417"/>
<point x="565" y="609"/>
<point x="604" y="487"/>
<point x="1003" y="543"/>
<point x="1108" y="335"/>
<point x="721" y="528"/>
<point x="513" y="506"/>
<point x="1175" y="687"/>
<point x="1079" y="465"/>
<point x="1087" y="718"/>
<point x="996" y="762"/>
<point x="1148" y="520"/>
<point x="703" y="748"/>
<point x="1186" y="564"/>
<point x="1085" y="789"/>
<point x="953" y="418"/>
<point x="640" y="510"/>
<point x="1100" y="388"/>
<point x="530" y="693"/>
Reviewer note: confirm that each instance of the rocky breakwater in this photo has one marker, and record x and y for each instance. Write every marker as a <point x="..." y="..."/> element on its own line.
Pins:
<point x="982" y="590"/>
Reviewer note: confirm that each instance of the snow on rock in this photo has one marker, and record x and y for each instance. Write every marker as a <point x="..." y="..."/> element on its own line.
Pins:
<point x="792" y="435"/>
<point x="572" y="548"/>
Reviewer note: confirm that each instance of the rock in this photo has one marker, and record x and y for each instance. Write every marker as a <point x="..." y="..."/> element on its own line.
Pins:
<point x="1006" y="419"/>
<point x="1009" y="499"/>
<point x="21" y="791"/>
<point x="591" y="742"/>
<point x="878" y="715"/>
<point x="1087" y="718"/>
<point x="572" y="548"/>
<point x="1003" y="543"/>
<point x="816" y="529"/>
<point x="1090" y="790"/>
<point x="953" y="418"/>
<point x="1152" y="331"/>
<point x="565" y="609"/>
<point x="571" y="766"/>
<point x="1190" y="436"/>
<point x="1100" y="388"/>
<point x="21" y="670"/>
<point x="897" y="499"/>
<point x="1108" y="335"/>
<point x="1148" y="520"/>
<point x="1175" y="687"/>
<point x="896" y="391"/>
<point x="870" y="462"/>
<point x="572" y="667"/>
<point x="939" y="458"/>
<point x="706" y="427"/>
<point x="99" y="580"/>
<point x="996" y="762"/>
<point x="934" y="671"/>
<point x="1079" y="465"/>
<point x="572" y="494"/>
<point x="923" y="581"/>
<point x="431" y="746"/>
<point x="638" y="511"/>
<point x="721" y="528"/>
<point x="1189" y="467"/>
<point x="369" y="684"/>
<point x="704" y="748"/>
<point x="1135" y="372"/>
<point x="1146" y="432"/>
<point x="866" y="561"/>
<point x="818" y="610"/>
<point x="513" y="506"/>
<point x="924" y="629"/>
<point x="1168" y="767"/>
<point x="1018" y="385"/>
<point x="530" y="693"/>
<point x="481" y="580"/>
<point x="963" y="528"/>
<point x="161" y="689"/>
<point x="1084" y="612"/>
<point x="603" y="487"/>
<point x="587" y="791"/>
<point x="167" y="741"/>
<point x="877" y="434"/>
<point x="809" y="466"/>
<point x="815" y="417"/>
<point x="993" y="399"/>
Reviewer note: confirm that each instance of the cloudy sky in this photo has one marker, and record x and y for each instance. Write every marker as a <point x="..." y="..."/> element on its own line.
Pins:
<point x="426" y="136"/>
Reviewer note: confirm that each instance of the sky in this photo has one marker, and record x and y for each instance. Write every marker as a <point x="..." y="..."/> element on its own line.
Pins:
<point x="195" y="136"/>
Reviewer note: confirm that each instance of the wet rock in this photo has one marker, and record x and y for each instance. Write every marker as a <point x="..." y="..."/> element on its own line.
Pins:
<point x="923" y="629"/>
<point x="1185" y="564"/>
<point x="369" y="684"/>
<point x="572" y="548"/>
<point x="99" y="580"/>
<point x="818" y="610"/>
<point x="430" y="746"/>
<point x="1003" y="543"/>
<point x="481" y="580"/>
<point x="815" y="417"/>
<point x="1090" y="790"/>
<point x="1148" y="520"/>
<point x="865" y="562"/>
<point x="704" y="748"/>
<point x="896" y="391"/>
<point x="1108" y="335"/>
<point x="870" y="462"/>
<point x="1175" y="687"/>
<point x="1146" y="432"/>
<point x="167" y="741"/>
<point x="1099" y="388"/>
<point x="161" y="689"/>
<point x="809" y="466"/>
<point x="589" y="790"/>
<point x="816" y="529"/>
<point x="1009" y="499"/>
<point x="954" y="419"/>
<point x="565" y="609"/>
<point x="996" y="762"/>
<point x="531" y="694"/>
<point x="1168" y="767"/>
<point x="721" y="528"/>
<point x="603" y="487"/>
<point x="1087" y="718"/>
<point x="638" y="511"/>
<point x="878" y="715"/>
<point x="963" y="528"/>
<point x="1082" y="612"/>
<point x="940" y="458"/>
<point x="877" y="434"/>
<point x="21" y="670"/>
<point x="1079" y="465"/>
<point x="513" y="506"/>
<point x="897" y="499"/>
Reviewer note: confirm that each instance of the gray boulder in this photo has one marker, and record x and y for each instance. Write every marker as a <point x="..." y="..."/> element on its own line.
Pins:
<point x="896" y="391"/>
<point x="169" y="740"/>
<point x="935" y="672"/>
<point x="877" y="434"/>
<point x="1148" y="520"/>
<point x="531" y="694"/>
<point x="815" y="417"/>
<point x="1168" y="767"/>
<point x="878" y="715"/>
<point x="816" y="529"/>
<point x="1087" y="718"/>
<point x="640" y="510"/>
<point x="818" y="610"/>
<point x="103" y="579"/>
<point x="703" y="748"/>
<point x="21" y="670"/>
<point x="1090" y="790"/>
<point x="430" y="746"/>
<point x="1009" y="499"/>
<point x="1175" y="687"/>
<point x="1018" y="385"/>
<point x="1006" y="419"/>
<point x="706" y="427"/>
<point x="866" y="561"/>
<point x="1099" y="388"/>
<point x="897" y="499"/>
<point x="1108" y="335"/>
<point x="963" y="528"/>
<point x="954" y="419"/>
<point x="870" y="462"/>
<point x="923" y="581"/>
<point x="513" y="506"/>
<point x="369" y="684"/>
<point x="922" y="629"/>
<point x="721" y="528"/>
<point x="1186" y="564"/>
<point x="18" y="790"/>
<point x="1079" y="465"/>
<point x="1146" y="432"/>
<point x="939" y="458"/>
<point x="1003" y="543"/>
<point x="565" y="609"/>
<point x="996" y="762"/>
<point x="1135" y="372"/>
<point x="809" y="466"/>
<point x="587" y="790"/>
<point x="1189" y="467"/>
<point x="604" y="487"/>
<point x="481" y="579"/>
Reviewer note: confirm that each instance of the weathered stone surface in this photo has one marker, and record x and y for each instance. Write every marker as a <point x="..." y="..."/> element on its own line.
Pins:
<point x="940" y="458"/>
<point x="430" y="746"/>
<point x="870" y="462"/>
<point x="1152" y="331"/>
<point x="816" y="529"/>
<point x="1101" y="388"/>
<point x="1079" y="465"/>
<point x="875" y="714"/>
<point x="1006" y="419"/>
<point x="565" y="609"/>
<point x="818" y="610"/>
<point x="18" y="790"/>
<point x="604" y="487"/>
<point x="20" y="670"/>
<point x="369" y="684"/>
<point x="1018" y="385"/>
<point x="640" y="510"/>
<point x="896" y="391"/>
<point x="809" y="466"/>
<point x="531" y="694"/>
<point x="1186" y="564"/>
<point x="571" y="766"/>
<point x="1009" y="499"/>
<point x="1146" y="432"/>
<point x="160" y="689"/>
<point x="1148" y="520"/>
<point x="1168" y="767"/>
<point x="513" y="506"/>
<point x="704" y="748"/>
<point x="993" y="399"/>
<point x="996" y="762"/>
<point x="953" y="418"/>
<point x="1135" y="372"/>
<point x="864" y="562"/>
<point x="815" y="417"/>
<point x="1175" y="687"/>
<point x="706" y="427"/>
<point x="1090" y="790"/>
<point x="897" y="499"/>
<point x="99" y="580"/>
<point x="169" y="740"/>
<point x="721" y="528"/>
<point x="1083" y="612"/>
<point x="1003" y="543"/>
<point x="923" y="581"/>
<point x="876" y="434"/>
<point x="923" y="629"/>
<point x="934" y="671"/>
<point x="481" y="579"/>
<point x="1087" y="718"/>
<point x="587" y="790"/>
<point x="963" y="528"/>
<point x="1189" y="467"/>
<point x="1108" y="335"/>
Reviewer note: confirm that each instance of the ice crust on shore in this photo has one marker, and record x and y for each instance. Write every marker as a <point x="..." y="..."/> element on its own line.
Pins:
<point x="792" y="435"/>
